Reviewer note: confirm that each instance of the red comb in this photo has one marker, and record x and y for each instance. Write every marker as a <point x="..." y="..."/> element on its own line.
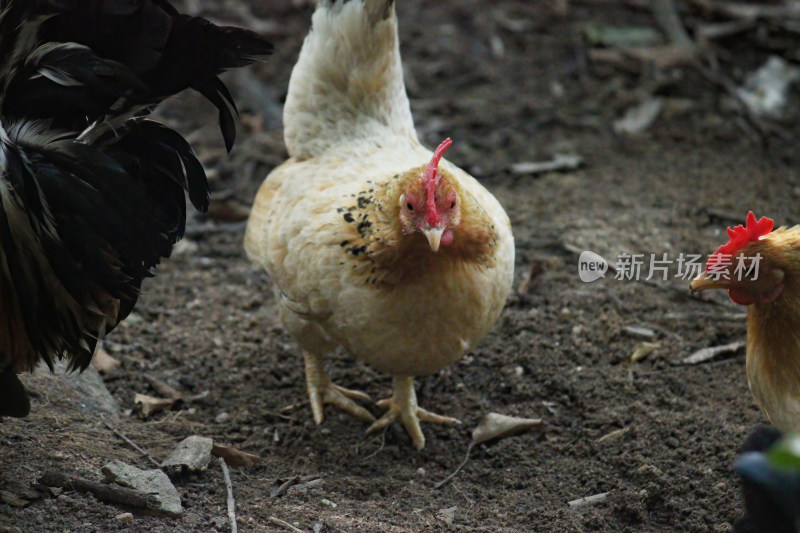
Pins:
<point x="432" y="215"/>
<point x="740" y="236"/>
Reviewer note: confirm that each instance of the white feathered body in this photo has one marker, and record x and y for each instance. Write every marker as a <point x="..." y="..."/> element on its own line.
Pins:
<point x="324" y="224"/>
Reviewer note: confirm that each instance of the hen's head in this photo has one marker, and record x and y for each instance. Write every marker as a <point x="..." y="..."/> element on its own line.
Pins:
<point x="755" y="264"/>
<point x="430" y="204"/>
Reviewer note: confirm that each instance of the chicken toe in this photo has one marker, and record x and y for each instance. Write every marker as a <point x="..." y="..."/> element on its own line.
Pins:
<point x="322" y="391"/>
<point x="402" y="407"/>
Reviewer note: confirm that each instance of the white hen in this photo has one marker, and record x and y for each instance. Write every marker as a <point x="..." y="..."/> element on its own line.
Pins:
<point x="374" y="242"/>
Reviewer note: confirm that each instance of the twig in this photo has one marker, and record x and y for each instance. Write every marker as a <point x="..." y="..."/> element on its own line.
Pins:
<point x="667" y="17"/>
<point x="707" y="354"/>
<point x="163" y="388"/>
<point x="231" y="501"/>
<point x="588" y="500"/>
<point x="749" y="10"/>
<point x="449" y="478"/>
<point x="283" y="487"/>
<point x="132" y="444"/>
<point x="278" y="522"/>
<point x="103" y="492"/>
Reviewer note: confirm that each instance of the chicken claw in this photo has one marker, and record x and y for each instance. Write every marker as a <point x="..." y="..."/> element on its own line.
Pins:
<point x="322" y="391"/>
<point x="403" y="406"/>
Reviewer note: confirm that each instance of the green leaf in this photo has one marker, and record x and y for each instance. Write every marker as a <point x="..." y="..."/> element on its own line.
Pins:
<point x="785" y="454"/>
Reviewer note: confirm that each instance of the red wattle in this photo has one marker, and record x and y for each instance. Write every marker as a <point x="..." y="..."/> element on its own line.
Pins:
<point x="447" y="238"/>
<point x="741" y="297"/>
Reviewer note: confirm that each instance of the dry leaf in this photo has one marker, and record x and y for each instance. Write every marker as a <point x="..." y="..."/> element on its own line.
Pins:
<point x="148" y="405"/>
<point x="12" y="499"/>
<point x="163" y="388"/>
<point x="643" y="350"/>
<point x="707" y="354"/>
<point x="447" y="515"/>
<point x="104" y="363"/>
<point x="497" y="426"/>
<point x="232" y="210"/>
<point x="235" y="458"/>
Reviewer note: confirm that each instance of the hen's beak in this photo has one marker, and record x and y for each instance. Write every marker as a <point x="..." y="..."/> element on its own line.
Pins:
<point x="434" y="236"/>
<point x="704" y="283"/>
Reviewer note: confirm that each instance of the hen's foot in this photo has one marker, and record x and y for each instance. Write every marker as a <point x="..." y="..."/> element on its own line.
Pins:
<point x="402" y="407"/>
<point x="322" y="391"/>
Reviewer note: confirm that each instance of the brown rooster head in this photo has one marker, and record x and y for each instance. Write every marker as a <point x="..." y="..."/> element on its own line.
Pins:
<point x="431" y="204"/>
<point x="756" y="263"/>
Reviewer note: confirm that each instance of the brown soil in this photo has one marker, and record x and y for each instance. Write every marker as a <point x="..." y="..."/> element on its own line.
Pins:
<point x="208" y="321"/>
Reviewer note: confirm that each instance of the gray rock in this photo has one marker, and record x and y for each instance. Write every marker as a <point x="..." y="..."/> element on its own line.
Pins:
<point x="86" y="387"/>
<point x="149" y="481"/>
<point x="191" y="455"/>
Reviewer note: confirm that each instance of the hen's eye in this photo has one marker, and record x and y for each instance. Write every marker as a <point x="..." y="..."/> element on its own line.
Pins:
<point x="409" y="206"/>
<point x="452" y="204"/>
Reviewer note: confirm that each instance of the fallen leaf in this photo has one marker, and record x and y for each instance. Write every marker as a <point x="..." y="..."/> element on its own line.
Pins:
<point x="707" y="354"/>
<point x="643" y="350"/>
<point x="447" y="515"/>
<point x="640" y="117"/>
<point x="497" y="426"/>
<point x="235" y="458"/>
<point x="12" y="499"/>
<point x="560" y="162"/>
<point x="148" y="405"/>
<point x="104" y="363"/>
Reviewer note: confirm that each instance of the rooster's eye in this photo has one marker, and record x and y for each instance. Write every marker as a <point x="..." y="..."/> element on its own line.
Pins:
<point x="409" y="206"/>
<point x="452" y="204"/>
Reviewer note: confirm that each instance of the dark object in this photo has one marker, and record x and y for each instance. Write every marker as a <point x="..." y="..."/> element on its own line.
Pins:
<point x="109" y="493"/>
<point x="771" y="496"/>
<point x="92" y="192"/>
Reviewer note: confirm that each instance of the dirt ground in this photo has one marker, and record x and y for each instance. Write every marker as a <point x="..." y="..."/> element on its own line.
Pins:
<point x="507" y="80"/>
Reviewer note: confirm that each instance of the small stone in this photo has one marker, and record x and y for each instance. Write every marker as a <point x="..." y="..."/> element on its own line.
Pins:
<point x="641" y="333"/>
<point x="222" y="418"/>
<point x="328" y="503"/>
<point x="192" y="455"/>
<point x="447" y="515"/>
<point x="124" y="518"/>
<point x="150" y="481"/>
<point x="421" y="472"/>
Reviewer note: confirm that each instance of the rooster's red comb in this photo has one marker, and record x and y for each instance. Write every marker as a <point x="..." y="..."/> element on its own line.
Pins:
<point x="429" y="180"/>
<point x="740" y="236"/>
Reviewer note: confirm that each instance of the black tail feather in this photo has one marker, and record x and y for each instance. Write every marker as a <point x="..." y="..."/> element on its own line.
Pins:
<point x="92" y="195"/>
<point x="152" y="43"/>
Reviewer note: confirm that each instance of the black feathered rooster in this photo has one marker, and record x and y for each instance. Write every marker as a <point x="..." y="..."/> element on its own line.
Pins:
<point x="766" y="465"/>
<point x="92" y="193"/>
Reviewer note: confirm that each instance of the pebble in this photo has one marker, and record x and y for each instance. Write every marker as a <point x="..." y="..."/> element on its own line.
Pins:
<point x="328" y="503"/>
<point x="641" y="333"/>
<point x="222" y="418"/>
<point x="421" y="472"/>
<point x="192" y="454"/>
<point x="124" y="518"/>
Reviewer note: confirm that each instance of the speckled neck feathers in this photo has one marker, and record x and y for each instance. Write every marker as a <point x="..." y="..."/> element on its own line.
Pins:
<point x="378" y="249"/>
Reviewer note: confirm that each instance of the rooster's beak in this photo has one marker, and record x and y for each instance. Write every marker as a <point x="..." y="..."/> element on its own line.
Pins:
<point x="704" y="283"/>
<point x="434" y="236"/>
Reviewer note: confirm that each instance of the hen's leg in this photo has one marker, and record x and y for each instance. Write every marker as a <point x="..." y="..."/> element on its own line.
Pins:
<point x="13" y="398"/>
<point x="321" y="391"/>
<point x="403" y="406"/>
